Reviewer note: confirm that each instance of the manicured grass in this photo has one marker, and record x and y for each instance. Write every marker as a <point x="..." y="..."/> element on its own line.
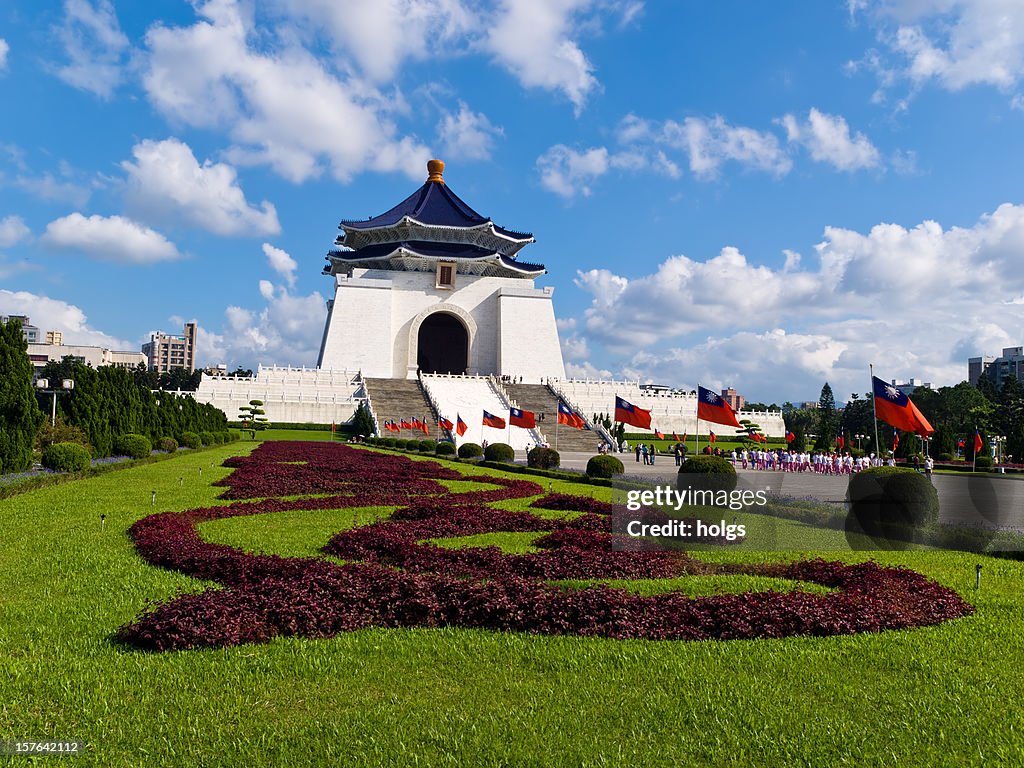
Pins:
<point x="942" y="695"/>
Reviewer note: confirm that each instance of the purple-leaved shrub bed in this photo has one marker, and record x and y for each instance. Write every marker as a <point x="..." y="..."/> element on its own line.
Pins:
<point x="392" y="578"/>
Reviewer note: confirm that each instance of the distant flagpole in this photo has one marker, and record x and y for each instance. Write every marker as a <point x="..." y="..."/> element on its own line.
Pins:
<point x="874" y="411"/>
<point x="974" y="461"/>
<point x="557" y="419"/>
<point x="696" y="450"/>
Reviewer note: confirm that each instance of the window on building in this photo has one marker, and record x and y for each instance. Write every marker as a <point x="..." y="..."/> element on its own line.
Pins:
<point x="445" y="274"/>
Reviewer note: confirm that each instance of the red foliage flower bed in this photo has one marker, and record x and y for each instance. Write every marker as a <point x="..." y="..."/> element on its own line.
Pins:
<point x="395" y="579"/>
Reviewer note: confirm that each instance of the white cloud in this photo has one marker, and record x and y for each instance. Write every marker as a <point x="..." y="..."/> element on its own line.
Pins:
<point x="381" y="35"/>
<point x="4" y="48"/>
<point x="95" y="47"/>
<point x="914" y="301"/>
<point x="953" y="43"/>
<point x="575" y="348"/>
<point x="281" y="262"/>
<point x="12" y="231"/>
<point x="109" y="238"/>
<point x="467" y="135"/>
<point x="56" y="315"/>
<point x="166" y="183"/>
<point x="711" y="143"/>
<point x="569" y="172"/>
<point x="827" y="138"/>
<point x="52" y="189"/>
<point x="281" y="106"/>
<point x="533" y="40"/>
<point x="286" y="331"/>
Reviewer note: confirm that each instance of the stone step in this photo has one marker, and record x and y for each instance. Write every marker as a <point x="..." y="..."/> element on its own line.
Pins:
<point x="539" y="399"/>
<point x="398" y="399"/>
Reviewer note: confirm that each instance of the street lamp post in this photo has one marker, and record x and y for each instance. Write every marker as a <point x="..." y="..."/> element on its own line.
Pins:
<point x="43" y="385"/>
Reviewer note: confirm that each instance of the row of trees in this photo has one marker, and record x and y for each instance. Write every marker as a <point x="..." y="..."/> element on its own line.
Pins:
<point x="105" y="403"/>
<point x="955" y="412"/>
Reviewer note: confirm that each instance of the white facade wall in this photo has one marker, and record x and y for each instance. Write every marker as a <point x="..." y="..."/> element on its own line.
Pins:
<point x="670" y="411"/>
<point x="376" y="315"/>
<point x="92" y="356"/>
<point x="289" y="395"/>
<point x="469" y="397"/>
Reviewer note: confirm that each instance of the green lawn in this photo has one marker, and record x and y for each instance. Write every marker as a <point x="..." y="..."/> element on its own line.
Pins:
<point x="944" y="695"/>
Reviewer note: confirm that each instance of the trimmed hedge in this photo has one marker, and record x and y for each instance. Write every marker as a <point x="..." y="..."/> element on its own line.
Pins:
<point x="543" y="458"/>
<point x="445" y="449"/>
<point x="401" y="443"/>
<point x="66" y="457"/>
<point x="206" y="438"/>
<point x="428" y="446"/>
<point x="983" y="462"/>
<point x="470" y="451"/>
<point x="135" y="446"/>
<point x="707" y="473"/>
<point x="945" y="457"/>
<point x="190" y="440"/>
<point x="167" y="444"/>
<point x="499" y="452"/>
<point x="891" y="504"/>
<point x="604" y="466"/>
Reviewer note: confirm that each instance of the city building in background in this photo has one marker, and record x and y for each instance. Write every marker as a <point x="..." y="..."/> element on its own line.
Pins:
<point x="735" y="400"/>
<point x="29" y="331"/>
<point x="41" y="354"/>
<point x="164" y="351"/>
<point x="908" y="387"/>
<point x="996" y="369"/>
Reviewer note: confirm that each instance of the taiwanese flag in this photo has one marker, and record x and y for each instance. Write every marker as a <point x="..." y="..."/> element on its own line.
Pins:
<point x="517" y="417"/>
<point x="675" y="437"/>
<point x="445" y="424"/>
<point x="896" y="409"/>
<point x="841" y="442"/>
<point x="712" y="437"/>
<point x="977" y="441"/>
<point x="713" y="408"/>
<point x="568" y="416"/>
<point x="658" y="434"/>
<point x="790" y="437"/>
<point x="405" y="424"/>
<point x="423" y="427"/>
<point x="961" y="443"/>
<point x="460" y="426"/>
<point x="895" y="439"/>
<point x="684" y="437"/>
<point x="490" y="420"/>
<point x="628" y="413"/>
<point x="415" y="423"/>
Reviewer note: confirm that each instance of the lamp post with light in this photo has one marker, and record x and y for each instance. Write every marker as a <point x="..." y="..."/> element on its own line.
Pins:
<point x="43" y="385"/>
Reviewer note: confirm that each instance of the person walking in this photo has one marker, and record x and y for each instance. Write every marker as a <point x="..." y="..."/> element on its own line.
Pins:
<point x="638" y="454"/>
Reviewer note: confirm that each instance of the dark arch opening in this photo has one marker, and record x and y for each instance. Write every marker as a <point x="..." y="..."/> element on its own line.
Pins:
<point x="443" y="345"/>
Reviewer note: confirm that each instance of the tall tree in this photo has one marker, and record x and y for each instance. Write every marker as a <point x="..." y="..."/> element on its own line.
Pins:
<point x="828" y="419"/>
<point x="20" y="416"/>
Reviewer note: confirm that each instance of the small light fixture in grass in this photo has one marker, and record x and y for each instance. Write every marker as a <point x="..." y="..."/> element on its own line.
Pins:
<point x="103" y="522"/>
<point x="152" y="499"/>
<point x="181" y="481"/>
<point x="977" y="576"/>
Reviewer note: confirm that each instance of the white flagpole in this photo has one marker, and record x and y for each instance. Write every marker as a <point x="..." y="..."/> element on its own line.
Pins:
<point x="874" y="411"/>
<point x="696" y="450"/>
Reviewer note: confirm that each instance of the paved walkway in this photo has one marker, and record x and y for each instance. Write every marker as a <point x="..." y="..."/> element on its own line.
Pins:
<point x="996" y="499"/>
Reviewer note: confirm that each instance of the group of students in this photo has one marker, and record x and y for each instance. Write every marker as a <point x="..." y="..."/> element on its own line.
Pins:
<point x="822" y="463"/>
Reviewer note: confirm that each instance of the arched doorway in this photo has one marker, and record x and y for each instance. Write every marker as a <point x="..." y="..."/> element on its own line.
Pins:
<point x="442" y="344"/>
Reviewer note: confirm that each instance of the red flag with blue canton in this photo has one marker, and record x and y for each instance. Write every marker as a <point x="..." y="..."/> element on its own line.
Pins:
<point x="568" y="416"/>
<point x="675" y="437"/>
<point x="445" y="424"/>
<point x="460" y="426"/>
<point x="977" y="441"/>
<point x="897" y="410"/>
<point x="790" y="437"/>
<point x="490" y="420"/>
<point x="517" y="417"/>
<point x="713" y="408"/>
<point x="628" y="413"/>
<point x="658" y="434"/>
<point x="895" y="439"/>
<point x="712" y="437"/>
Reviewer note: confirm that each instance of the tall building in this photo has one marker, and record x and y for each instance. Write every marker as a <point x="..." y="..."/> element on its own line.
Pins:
<point x="164" y="351"/>
<point x="908" y="387"/>
<point x="94" y="357"/>
<point x="29" y="331"/>
<point x="54" y="337"/>
<point x="735" y="400"/>
<point x="1010" y="363"/>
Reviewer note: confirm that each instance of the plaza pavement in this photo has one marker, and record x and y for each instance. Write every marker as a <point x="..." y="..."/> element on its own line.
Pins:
<point x="997" y="499"/>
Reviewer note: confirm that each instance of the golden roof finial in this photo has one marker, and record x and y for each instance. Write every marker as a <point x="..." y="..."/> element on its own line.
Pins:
<point x="435" y="171"/>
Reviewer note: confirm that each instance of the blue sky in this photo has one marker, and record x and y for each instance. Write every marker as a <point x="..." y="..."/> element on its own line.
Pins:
<point x="758" y="195"/>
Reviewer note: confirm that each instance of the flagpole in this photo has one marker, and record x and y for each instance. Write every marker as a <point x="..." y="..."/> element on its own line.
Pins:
<point x="974" y="461"/>
<point x="696" y="450"/>
<point x="874" y="410"/>
<point x="557" y="414"/>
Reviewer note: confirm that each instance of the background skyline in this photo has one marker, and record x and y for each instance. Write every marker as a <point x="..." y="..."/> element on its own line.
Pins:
<point x="763" y="198"/>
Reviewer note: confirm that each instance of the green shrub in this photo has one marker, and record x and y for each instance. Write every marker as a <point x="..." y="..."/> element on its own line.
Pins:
<point x="499" y="452"/>
<point x="604" y="466"/>
<point x="390" y="442"/>
<point x="135" y="446"/>
<point x="470" y="451"/>
<point x="445" y="449"/>
<point x="233" y="435"/>
<point x="206" y="438"/>
<point x="401" y="443"/>
<point x="543" y="458"/>
<point x="218" y="438"/>
<point x="983" y="462"/>
<point x="945" y="457"/>
<point x="428" y="446"/>
<point x="167" y="444"/>
<point x="190" y="440"/>
<point x="891" y="504"/>
<point x="707" y="473"/>
<point x="66" y="457"/>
